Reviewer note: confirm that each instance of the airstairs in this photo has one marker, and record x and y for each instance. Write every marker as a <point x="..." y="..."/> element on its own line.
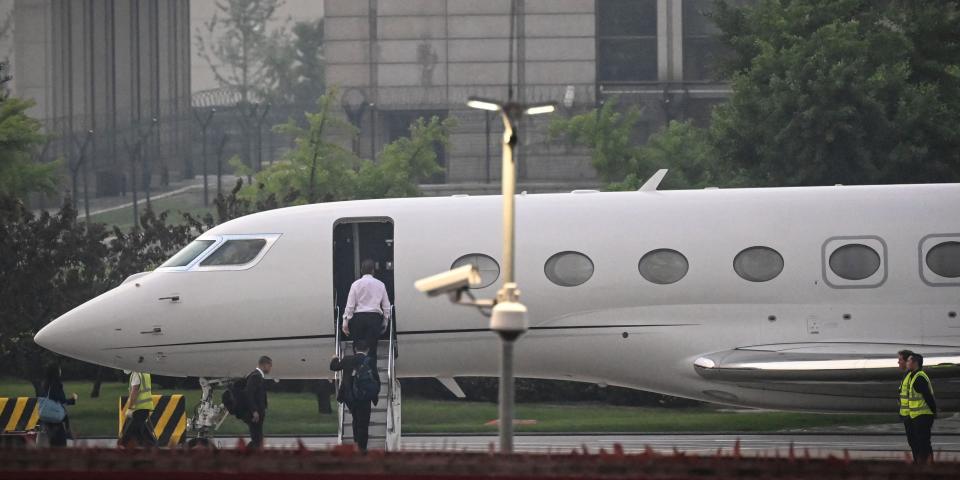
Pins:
<point x="384" y="431"/>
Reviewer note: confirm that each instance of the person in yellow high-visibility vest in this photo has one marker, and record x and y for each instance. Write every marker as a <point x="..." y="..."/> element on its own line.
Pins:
<point x="902" y="357"/>
<point x="923" y="409"/>
<point x="137" y="426"/>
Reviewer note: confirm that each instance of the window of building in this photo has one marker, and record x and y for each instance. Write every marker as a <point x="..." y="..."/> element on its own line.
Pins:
<point x="663" y="266"/>
<point x="188" y="253"/>
<point x="488" y="267"/>
<point x="854" y="262"/>
<point x="627" y="40"/>
<point x="944" y="259"/>
<point x="702" y="48"/>
<point x="758" y="264"/>
<point x="568" y="269"/>
<point x="235" y="252"/>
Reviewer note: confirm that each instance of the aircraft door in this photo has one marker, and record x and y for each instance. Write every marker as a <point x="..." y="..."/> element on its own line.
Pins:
<point x="353" y="241"/>
<point x="376" y="243"/>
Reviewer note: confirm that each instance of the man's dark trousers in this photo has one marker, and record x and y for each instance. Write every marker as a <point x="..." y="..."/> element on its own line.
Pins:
<point x="921" y="427"/>
<point x="139" y="428"/>
<point x="367" y="326"/>
<point x="908" y="428"/>
<point x="255" y="396"/>
<point x="360" y="411"/>
<point x="256" y="431"/>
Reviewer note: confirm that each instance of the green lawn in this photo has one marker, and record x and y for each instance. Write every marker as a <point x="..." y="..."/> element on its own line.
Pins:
<point x="188" y="202"/>
<point x="291" y="413"/>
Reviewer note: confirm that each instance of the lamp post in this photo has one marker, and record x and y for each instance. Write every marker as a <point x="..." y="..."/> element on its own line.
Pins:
<point x="509" y="316"/>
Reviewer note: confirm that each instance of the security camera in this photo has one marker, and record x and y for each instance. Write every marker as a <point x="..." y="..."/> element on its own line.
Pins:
<point x="453" y="281"/>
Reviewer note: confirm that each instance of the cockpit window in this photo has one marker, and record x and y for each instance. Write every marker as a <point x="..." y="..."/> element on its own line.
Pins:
<point x="188" y="253"/>
<point x="235" y="252"/>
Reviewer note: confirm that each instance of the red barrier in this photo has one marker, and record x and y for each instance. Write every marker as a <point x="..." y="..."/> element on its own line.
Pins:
<point x="340" y="463"/>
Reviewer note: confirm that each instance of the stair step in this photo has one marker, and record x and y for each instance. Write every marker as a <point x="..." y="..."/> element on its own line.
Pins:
<point x="372" y="424"/>
<point x="378" y="428"/>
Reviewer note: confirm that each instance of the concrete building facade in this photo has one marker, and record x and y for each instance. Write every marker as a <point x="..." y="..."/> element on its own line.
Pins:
<point x="396" y="60"/>
<point x="111" y="81"/>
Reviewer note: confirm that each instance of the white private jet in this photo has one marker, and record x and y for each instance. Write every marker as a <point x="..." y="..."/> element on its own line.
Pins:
<point x="787" y="298"/>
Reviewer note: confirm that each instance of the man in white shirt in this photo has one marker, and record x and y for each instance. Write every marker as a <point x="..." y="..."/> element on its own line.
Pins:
<point x="368" y="308"/>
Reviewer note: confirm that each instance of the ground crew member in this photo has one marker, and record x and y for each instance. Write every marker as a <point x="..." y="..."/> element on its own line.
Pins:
<point x="137" y="411"/>
<point x="902" y="357"/>
<point x="923" y="409"/>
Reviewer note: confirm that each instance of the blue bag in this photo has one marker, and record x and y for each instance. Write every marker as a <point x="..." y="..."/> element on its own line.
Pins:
<point x="50" y="411"/>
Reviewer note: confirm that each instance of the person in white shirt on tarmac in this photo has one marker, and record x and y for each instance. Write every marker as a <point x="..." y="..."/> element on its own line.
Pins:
<point x="368" y="308"/>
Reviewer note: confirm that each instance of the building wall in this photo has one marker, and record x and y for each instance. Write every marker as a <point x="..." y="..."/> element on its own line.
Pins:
<point x="431" y="55"/>
<point x="393" y="58"/>
<point x="104" y="70"/>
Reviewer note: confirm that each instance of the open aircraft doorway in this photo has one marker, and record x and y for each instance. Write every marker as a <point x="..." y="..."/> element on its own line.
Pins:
<point x="355" y="239"/>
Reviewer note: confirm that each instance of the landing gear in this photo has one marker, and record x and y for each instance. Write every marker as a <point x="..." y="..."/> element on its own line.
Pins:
<point x="200" y="442"/>
<point x="208" y="416"/>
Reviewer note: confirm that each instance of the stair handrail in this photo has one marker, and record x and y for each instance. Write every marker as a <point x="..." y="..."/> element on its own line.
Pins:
<point x="338" y="375"/>
<point x="336" y="328"/>
<point x="391" y="370"/>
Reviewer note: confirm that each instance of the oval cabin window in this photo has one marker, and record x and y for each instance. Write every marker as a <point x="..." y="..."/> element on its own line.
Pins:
<point x="235" y="252"/>
<point x="663" y="266"/>
<point x="944" y="259"/>
<point x="854" y="261"/>
<point x="758" y="264"/>
<point x="488" y="267"/>
<point x="568" y="269"/>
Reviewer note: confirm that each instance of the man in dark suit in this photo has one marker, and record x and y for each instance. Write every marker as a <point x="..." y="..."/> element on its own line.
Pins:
<point x="359" y="410"/>
<point x="256" y="399"/>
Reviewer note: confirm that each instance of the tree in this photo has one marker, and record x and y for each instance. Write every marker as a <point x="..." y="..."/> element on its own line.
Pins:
<point x="145" y="248"/>
<point x="296" y="68"/>
<point x="841" y="91"/>
<point x="51" y="263"/>
<point x="48" y="265"/>
<point x="685" y="150"/>
<point x="608" y="133"/>
<point x="19" y="136"/>
<point x="405" y="162"/>
<point x="320" y="170"/>
<point x="317" y="169"/>
<point x="240" y="51"/>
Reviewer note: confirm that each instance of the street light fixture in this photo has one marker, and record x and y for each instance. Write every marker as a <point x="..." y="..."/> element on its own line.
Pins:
<point x="482" y="104"/>
<point x="508" y="316"/>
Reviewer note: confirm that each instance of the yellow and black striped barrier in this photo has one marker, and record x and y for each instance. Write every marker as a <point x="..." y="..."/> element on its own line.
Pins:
<point x="169" y="418"/>
<point x="19" y="414"/>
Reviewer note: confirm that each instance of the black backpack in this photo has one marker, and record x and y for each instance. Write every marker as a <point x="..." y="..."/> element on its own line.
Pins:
<point x="366" y="385"/>
<point x="234" y="398"/>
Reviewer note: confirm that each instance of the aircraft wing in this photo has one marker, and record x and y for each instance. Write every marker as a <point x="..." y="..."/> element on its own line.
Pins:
<point x="823" y="362"/>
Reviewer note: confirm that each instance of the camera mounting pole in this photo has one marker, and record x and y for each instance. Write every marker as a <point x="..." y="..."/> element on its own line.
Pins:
<point x="508" y="317"/>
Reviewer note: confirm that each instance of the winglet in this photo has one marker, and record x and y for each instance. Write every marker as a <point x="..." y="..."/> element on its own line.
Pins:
<point x="452" y="385"/>
<point x="654" y="181"/>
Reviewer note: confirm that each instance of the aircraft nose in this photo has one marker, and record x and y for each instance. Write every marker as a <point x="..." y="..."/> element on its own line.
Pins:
<point x="52" y="337"/>
<point x="72" y="334"/>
